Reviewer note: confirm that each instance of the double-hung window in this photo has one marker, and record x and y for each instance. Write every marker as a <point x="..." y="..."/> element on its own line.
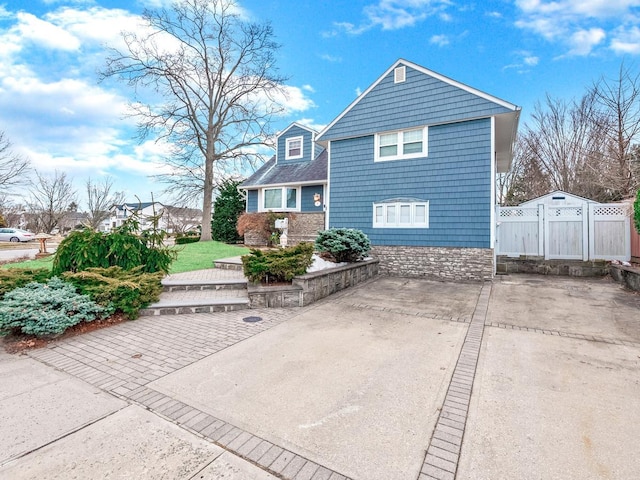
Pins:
<point x="281" y="198"/>
<point x="402" y="144"/>
<point x="401" y="214"/>
<point x="293" y="148"/>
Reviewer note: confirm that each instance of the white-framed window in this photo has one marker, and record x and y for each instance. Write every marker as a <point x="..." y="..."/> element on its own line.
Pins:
<point x="280" y="198"/>
<point x="401" y="214"/>
<point x="411" y="143"/>
<point x="293" y="148"/>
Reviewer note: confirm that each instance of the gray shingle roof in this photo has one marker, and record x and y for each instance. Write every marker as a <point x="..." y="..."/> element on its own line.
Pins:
<point x="272" y="173"/>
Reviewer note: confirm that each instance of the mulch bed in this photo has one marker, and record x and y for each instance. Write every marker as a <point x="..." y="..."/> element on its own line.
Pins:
<point x="20" y="343"/>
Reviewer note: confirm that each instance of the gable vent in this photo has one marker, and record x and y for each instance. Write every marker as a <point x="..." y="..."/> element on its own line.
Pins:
<point x="399" y="74"/>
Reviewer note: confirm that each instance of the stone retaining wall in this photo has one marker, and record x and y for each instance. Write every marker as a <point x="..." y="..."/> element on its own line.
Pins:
<point x="628" y="276"/>
<point x="304" y="227"/>
<point x="570" y="268"/>
<point x="441" y="263"/>
<point x="308" y="288"/>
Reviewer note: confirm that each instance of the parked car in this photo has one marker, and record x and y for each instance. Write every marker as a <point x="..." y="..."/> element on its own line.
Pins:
<point x="15" y="235"/>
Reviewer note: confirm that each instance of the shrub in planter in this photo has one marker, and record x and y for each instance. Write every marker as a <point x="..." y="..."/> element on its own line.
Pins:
<point x="47" y="309"/>
<point x="278" y="265"/>
<point x="343" y="244"/>
<point x="13" y="278"/>
<point x="262" y="224"/>
<point x="126" y="291"/>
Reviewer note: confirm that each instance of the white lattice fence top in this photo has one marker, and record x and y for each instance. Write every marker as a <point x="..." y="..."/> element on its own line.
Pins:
<point x="518" y="212"/>
<point x="610" y="210"/>
<point x="565" y="212"/>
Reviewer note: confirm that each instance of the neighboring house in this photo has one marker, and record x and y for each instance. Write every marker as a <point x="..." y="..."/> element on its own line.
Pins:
<point x="144" y="212"/>
<point x="412" y="163"/>
<point x="182" y="219"/>
<point x="294" y="180"/>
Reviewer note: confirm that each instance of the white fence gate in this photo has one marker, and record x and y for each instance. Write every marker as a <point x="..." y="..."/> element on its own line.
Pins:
<point x="584" y="232"/>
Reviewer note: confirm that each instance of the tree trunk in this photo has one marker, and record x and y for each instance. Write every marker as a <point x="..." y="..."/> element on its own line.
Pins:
<point x="205" y="235"/>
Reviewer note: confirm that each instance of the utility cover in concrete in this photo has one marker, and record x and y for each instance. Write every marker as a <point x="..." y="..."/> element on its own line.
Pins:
<point x="352" y="389"/>
<point x="130" y="444"/>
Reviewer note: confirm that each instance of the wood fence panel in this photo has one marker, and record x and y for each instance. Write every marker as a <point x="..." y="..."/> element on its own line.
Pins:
<point x="565" y="233"/>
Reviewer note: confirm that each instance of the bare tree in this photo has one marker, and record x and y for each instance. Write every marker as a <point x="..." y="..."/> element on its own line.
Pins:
<point x="564" y="141"/>
<point x="619" y="102"/>
<point x="50" y="197"/>
<point x="100" y="199"/>
<point x="525" y="180"/>
<point x="216" y="74"/>
<point x="13" y="167"/>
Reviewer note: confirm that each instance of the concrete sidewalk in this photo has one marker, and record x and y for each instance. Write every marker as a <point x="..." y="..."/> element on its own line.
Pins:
<point x="528" y="377"/>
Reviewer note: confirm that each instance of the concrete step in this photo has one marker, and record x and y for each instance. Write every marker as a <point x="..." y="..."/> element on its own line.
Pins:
<point x="232" y="263"/>
<point x="199" y="301"/>
<point x="169" y="285"/>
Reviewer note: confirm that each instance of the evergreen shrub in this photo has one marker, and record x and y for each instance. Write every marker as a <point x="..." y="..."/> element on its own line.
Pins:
<point x="47" y="309"/>
<point x="13" y="278"/>
<point x="229" y="205"/>
<point x="343" y="244"/>
<point x="126" y="291"/>
<point x="277" y="265"/>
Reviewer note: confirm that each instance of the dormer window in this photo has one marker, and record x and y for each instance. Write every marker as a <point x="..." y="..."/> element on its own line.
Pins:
<point x="293" y="148"/>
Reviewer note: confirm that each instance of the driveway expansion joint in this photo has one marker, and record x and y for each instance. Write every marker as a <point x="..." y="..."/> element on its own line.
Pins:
<point x="558" y="333"/>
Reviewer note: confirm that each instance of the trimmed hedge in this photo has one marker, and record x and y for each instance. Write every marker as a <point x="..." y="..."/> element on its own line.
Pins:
<point x="188" y="239"/>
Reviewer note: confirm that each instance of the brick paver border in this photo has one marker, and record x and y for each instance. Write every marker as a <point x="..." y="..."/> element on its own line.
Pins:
<point x="443" y="453"/>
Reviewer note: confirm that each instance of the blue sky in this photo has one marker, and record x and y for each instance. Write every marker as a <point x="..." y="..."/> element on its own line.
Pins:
<point x="56" y="113"/>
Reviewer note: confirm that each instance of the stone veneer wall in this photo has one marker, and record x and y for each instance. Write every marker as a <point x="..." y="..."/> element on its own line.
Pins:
<point x="304" y="227"/>
<point x="442" y="263"/>
<point x="308" y="288"/>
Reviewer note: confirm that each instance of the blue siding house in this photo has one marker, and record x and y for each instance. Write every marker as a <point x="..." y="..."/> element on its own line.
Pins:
<point x="294" y="180"/>
<point x="412" y="162"/>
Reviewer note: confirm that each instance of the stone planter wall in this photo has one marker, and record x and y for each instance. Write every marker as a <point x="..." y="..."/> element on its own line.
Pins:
<point x="311" y="287"/>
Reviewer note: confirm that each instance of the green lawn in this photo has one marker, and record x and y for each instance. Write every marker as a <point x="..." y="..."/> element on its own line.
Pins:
<point x="192" y="256"/>
<point x="200" y="255"/>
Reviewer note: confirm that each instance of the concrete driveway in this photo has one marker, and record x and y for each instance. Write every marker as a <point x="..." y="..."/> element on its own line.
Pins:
<point x="528" y="377"/>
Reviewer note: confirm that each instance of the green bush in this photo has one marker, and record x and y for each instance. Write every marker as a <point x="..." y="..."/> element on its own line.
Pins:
<point x="123" y="248"/>
<point x="343" y="244"/>
<point x="126" y="291"/>
<point x="187" y="239"/>
<point x="47" y="309"/>
<point x="13" y="278"/>
<point x="229" y="205"/>
<point x="278" y="265"/>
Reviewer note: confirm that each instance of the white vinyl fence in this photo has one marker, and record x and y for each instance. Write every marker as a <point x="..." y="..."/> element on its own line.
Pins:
<point x="584" y="232"/>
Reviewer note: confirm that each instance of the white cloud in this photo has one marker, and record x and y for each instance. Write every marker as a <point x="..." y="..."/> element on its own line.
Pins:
<point x="331" y="58"/>
<point x="309" y="122"/>
<point x="581" y="26"/>
<point x="524" y="61"/>
<point x="44" y="33"/>
<point x="295" y="100"/>
<point x="395" y="15"/>
<point x="583" y="41"/>
<point x="440" y="40"/>
<point x="531" y="61"/>
<point x="626" y="41"/>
